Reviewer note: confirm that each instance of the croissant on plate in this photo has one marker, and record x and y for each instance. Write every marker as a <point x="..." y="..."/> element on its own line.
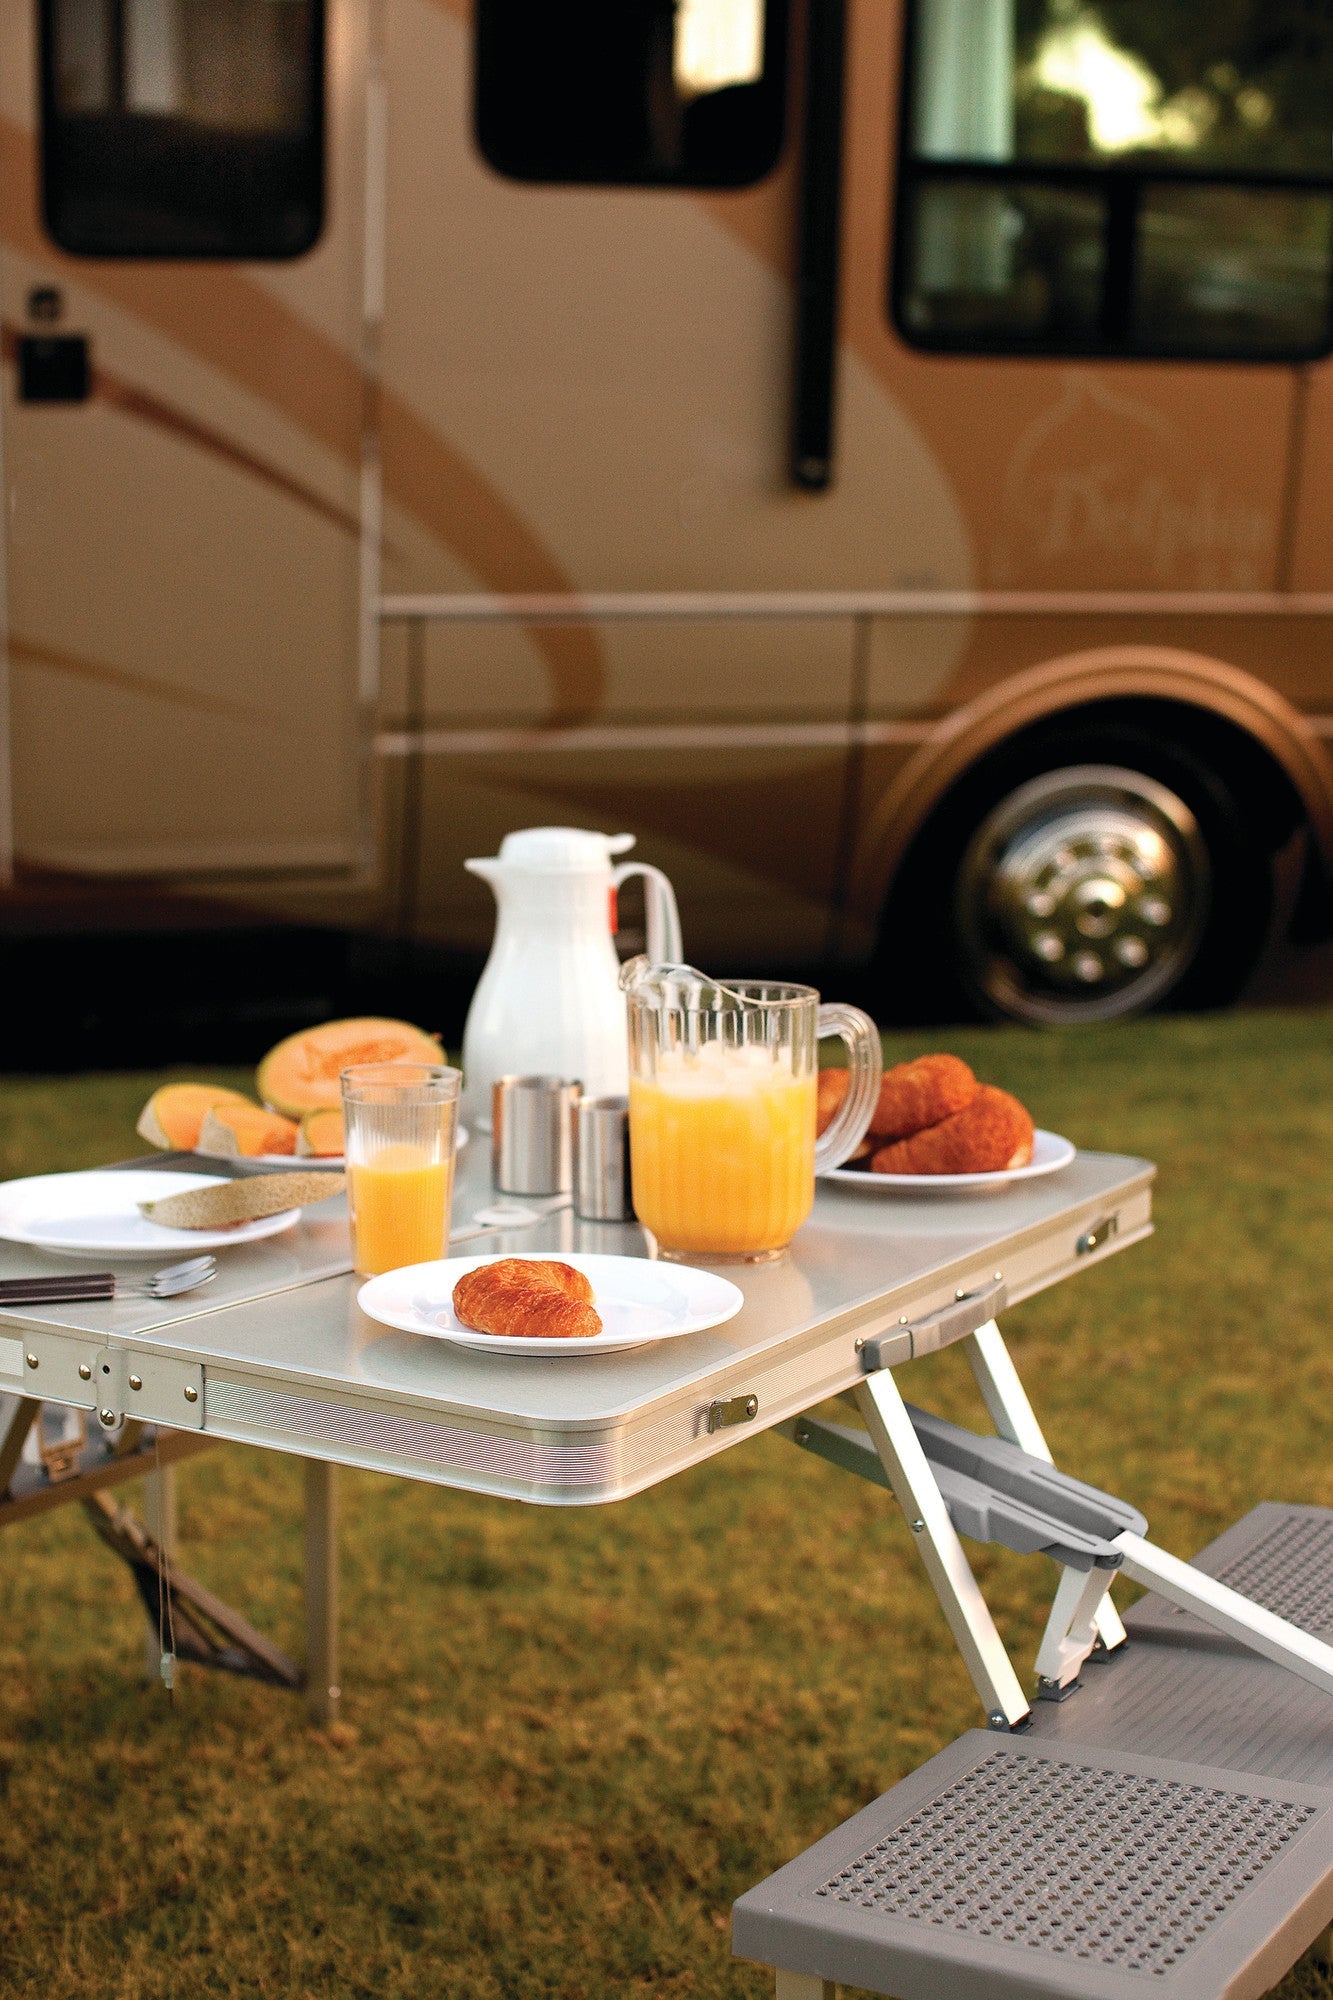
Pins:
<point x="535" y="1298"/>
<point x="994" y="1131"/>
<point x="912" y="1095"/>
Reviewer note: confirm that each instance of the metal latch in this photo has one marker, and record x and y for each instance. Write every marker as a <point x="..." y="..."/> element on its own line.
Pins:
<point x="736" y="1410"/>
<point x="939" y="1329"/>
<point x="1100" y="1232"/>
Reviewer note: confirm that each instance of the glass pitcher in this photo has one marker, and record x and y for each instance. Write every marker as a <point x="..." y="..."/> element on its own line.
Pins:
<point x="722" y="1107"/>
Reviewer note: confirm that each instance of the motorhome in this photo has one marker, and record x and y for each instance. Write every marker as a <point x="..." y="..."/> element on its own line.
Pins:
<point x="879" y="455"/>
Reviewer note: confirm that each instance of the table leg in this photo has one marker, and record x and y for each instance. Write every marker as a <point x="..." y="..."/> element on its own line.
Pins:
<point x="22" y="1418"/>
<point x="804" y="1986"/>
<point x="160" y="1519"/>
<point x="321" y="1589"/>
<point x="914" y="1483"/>
<point x="1014" y="1418"/>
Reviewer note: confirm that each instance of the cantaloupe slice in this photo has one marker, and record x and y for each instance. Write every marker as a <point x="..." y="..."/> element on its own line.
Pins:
<point x="243" y="1131"/>
<point x="174" y="1114"/>
<point x="301" y="1073"/>
<point x="321" y="1135"/>
<point x="226" y="1202"/>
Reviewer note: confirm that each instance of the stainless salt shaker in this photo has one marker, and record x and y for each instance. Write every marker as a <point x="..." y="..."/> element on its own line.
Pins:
<point x="601" y="1160"/>
<point x="532" y="1134"/>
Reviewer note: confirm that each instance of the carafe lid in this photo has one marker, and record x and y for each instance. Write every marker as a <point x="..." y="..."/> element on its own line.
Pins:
<point x="562" y="850"/>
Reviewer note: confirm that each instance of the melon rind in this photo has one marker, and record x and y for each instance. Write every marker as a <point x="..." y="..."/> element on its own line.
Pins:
<point x="174" y="1114"/>
<point x="243" y="1131"/>
<point x="301" y="1073"/>
<point x="321" y="1136"/>
<point x="248" y="1200"/>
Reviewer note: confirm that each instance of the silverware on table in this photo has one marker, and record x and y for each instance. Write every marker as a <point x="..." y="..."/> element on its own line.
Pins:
<point x="76" y="1287"/>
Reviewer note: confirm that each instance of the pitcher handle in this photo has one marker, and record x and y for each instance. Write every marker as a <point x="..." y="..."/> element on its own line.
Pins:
<point x="865" y="1061"/>
<point x="659" y="899"/>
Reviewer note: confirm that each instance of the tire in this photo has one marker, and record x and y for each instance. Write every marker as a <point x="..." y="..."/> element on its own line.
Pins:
<point x="1082" y="874"/>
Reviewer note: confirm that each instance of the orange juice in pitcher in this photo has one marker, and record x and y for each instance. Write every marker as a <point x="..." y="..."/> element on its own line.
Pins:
<point x="722" y="1108"/>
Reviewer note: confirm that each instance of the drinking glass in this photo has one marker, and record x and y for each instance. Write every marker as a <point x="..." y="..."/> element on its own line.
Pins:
<point x="401" y="1122"/>
<point x="722" y="1107"/>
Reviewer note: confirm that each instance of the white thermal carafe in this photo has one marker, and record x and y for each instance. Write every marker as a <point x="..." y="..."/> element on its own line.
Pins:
<point x="549" y="1001"/>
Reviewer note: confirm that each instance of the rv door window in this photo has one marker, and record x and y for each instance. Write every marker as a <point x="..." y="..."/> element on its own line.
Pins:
<point x="183" y="128"/>
<point x="1148" y="177"/>
<point x="663" y="93"/>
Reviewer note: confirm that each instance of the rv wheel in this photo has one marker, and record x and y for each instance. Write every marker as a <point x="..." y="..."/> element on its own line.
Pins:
<point x="1115" y="876"/>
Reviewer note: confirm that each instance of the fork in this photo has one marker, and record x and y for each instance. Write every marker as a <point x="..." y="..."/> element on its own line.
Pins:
<point x="77" y="1286"/>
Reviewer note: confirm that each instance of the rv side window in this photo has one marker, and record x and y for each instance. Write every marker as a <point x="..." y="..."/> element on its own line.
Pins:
<point x="665" y="93"/>
<point x="183" y="128"/>
<point x="1135" y="177"/>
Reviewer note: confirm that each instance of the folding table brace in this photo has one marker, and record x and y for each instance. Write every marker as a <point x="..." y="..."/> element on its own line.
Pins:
<point x="997" y="1489"/>
<point x="139" y="1453"/>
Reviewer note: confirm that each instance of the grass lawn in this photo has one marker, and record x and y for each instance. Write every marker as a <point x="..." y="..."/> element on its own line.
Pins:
<point x="572" y="1737"/>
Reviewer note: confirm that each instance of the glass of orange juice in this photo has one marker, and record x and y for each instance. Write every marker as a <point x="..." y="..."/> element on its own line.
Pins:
<point x="723" y="1151"/>
<point x="401" y="1121"/>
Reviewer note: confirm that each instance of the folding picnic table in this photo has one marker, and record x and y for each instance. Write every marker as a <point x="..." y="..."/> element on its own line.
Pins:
<point x="278" y="1354"/>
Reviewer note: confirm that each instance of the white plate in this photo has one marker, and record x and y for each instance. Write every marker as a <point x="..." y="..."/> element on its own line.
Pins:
<point x="1049" y="1153"/>
<point x="96" y="1214"/>
<point x="316" y="1159"/>
<point x="639" y="1301"/>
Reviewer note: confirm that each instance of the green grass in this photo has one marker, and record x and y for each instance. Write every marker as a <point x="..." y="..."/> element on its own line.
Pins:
<point x="572" y="1737"/>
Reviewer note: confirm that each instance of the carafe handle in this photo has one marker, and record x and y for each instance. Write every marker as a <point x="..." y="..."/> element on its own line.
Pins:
<point x="865" y="1062"/>
<point x="659" y="899"/>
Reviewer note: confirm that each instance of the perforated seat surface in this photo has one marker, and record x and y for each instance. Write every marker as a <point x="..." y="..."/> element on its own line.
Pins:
<point x="1169" y="1829"/>
<point x="1011" y="1866"/>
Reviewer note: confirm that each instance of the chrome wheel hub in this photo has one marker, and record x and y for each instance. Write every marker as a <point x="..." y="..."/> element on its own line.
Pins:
<point x="1083" y="894"/>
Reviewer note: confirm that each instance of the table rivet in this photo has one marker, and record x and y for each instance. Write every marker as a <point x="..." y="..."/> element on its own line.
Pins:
<point x="136" y="1381"/>
<point x="85" y="1372"/>
<point x="918" y="1526"/>
<point x="107" y="1418"/>
<point x="998" y="1276"/>
<point x="860" y="1342"/>
<point x="902" y="1319"/>
<point x="31" y="1360"/>
<point x="192" y="1395"/>
<point x="802" y="1435"/>
<point x="961" y="1292"/>
<point x="997" y="1719"/>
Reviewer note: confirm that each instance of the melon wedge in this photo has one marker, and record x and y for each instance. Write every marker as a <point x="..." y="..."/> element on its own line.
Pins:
<point x="243" y="1131"/>
<point x="301" y="1073"/>
<point x="321" y="1135"/>
<point x="174" y="1114"/>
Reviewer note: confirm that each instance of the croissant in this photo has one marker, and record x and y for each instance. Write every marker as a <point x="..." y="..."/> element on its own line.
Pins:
<point x="992" y="1132"/>
<point x="912" y="1096"/>
<point x="918" y="1094"/>
<point x="537" y="1298"/>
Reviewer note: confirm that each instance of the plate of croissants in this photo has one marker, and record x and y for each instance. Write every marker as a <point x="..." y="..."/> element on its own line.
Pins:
<point x="550" y="1303"/>
<point x="936" y="1127"/>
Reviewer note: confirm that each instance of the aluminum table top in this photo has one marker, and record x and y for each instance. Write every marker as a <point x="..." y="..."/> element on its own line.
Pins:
<point x="282" y="1355"/>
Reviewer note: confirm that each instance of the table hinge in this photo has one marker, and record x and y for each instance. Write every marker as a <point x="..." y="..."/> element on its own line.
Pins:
<point x="736" y="1410"/>
<point x="148" y="1387"/>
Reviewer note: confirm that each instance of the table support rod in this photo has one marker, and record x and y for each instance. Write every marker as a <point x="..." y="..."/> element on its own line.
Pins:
<point x="1014" y="1418"/>
<point x="1226" y="1610"/>
<point x="908" y="1469"/>
<point x="321" y="1589"/>
<point x="15" y="1436"/>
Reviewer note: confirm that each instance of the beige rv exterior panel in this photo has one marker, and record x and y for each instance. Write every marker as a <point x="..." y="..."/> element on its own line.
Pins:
<point x="184" y="562"/>
<point x="473" y="388"/>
